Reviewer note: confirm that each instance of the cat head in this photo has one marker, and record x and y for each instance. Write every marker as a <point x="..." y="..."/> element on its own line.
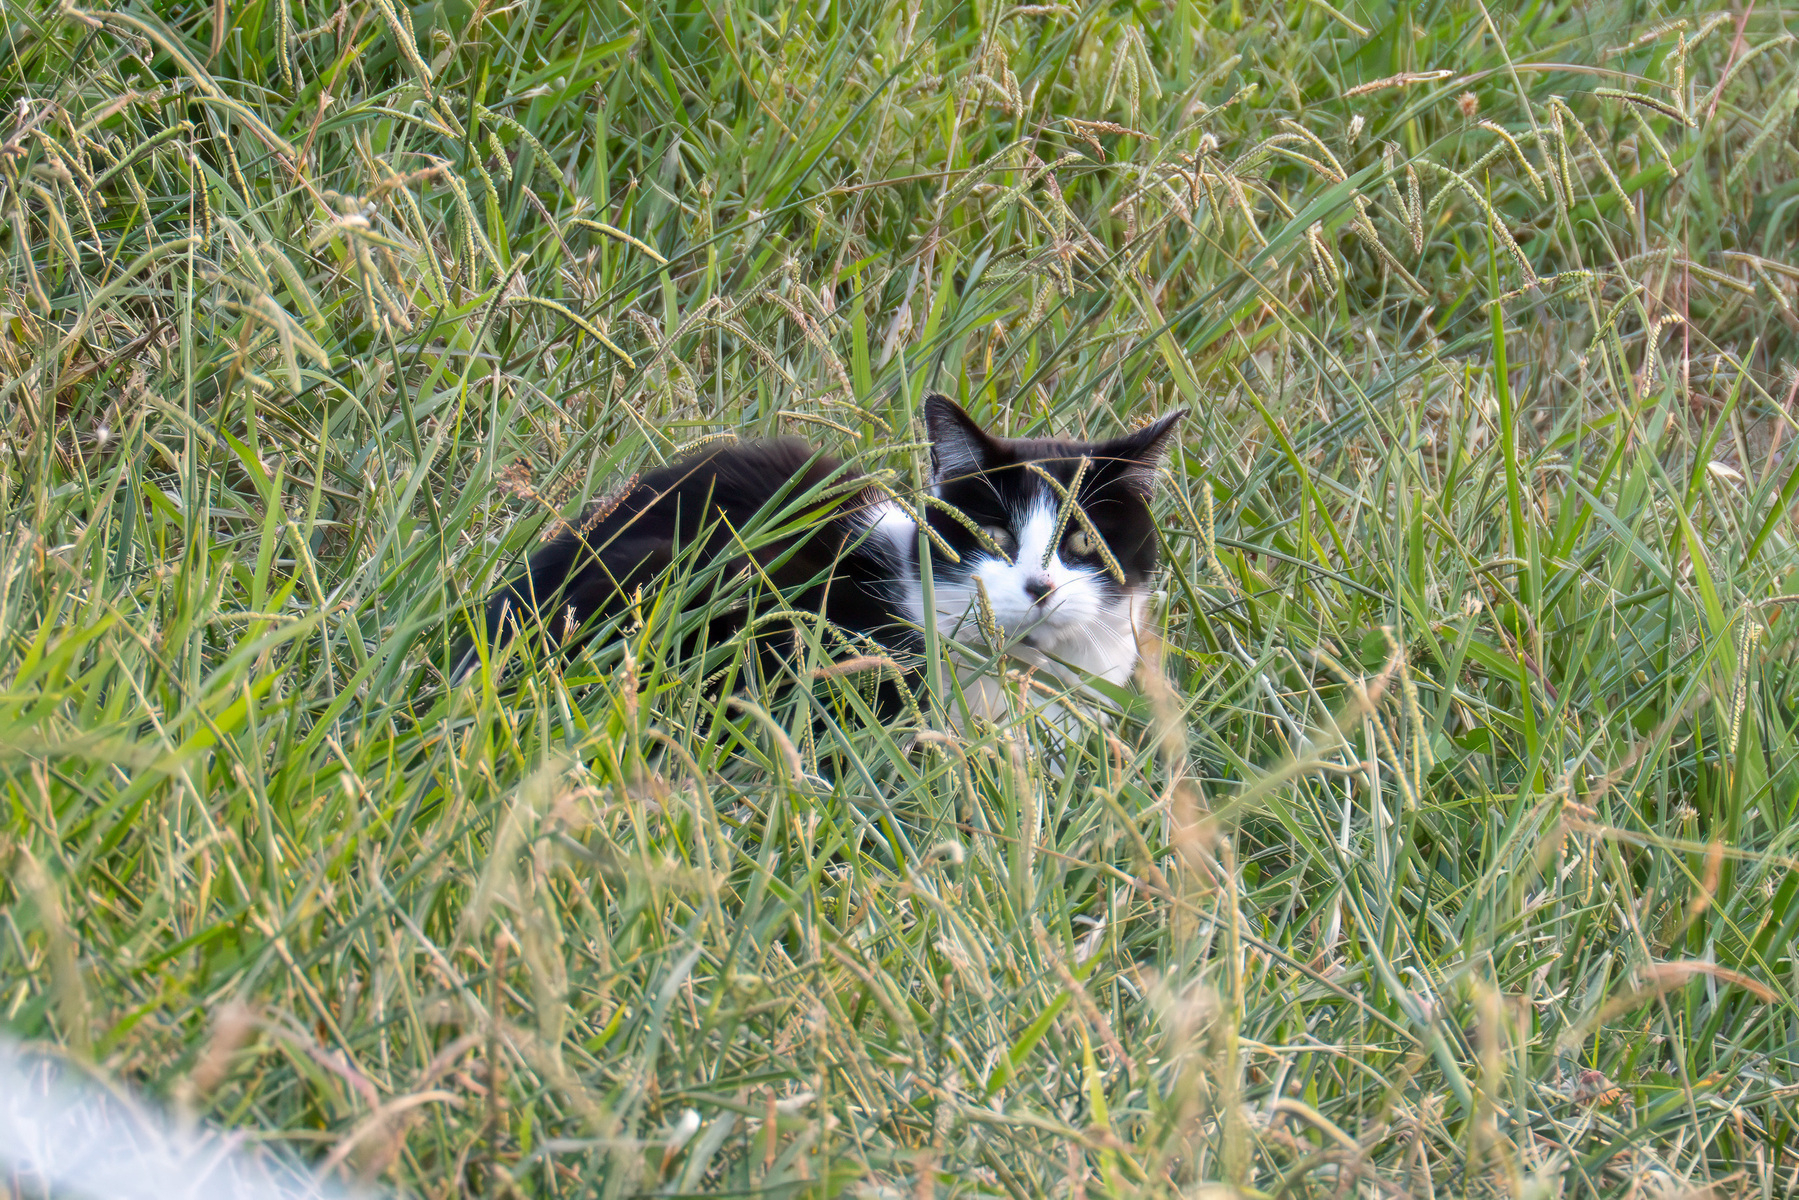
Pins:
<point x="1051" y="597"/>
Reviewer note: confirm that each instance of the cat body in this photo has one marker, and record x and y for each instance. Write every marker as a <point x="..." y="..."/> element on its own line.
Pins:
<point x="1063" y="594"/>
<point x="622" y="545"/>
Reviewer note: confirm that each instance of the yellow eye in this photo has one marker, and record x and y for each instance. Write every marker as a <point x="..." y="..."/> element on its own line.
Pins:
<point x="1078" y="542"/>
<point x="1002" y="537"/>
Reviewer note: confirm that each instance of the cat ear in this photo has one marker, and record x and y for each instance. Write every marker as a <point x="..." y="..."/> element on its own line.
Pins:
<point x="1137" y="456"/>
<point x="959" y="447"/>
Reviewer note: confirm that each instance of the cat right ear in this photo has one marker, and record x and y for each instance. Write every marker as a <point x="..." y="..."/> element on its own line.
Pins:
<point x="959" y="447"/>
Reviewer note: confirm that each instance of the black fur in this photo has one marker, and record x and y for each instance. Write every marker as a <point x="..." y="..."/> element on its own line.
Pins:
<point x="731" y="497"/>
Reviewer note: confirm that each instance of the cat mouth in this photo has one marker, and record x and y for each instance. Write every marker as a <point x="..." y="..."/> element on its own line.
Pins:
<point x="1037" y="626"/>
<point x="1042" y="623"/>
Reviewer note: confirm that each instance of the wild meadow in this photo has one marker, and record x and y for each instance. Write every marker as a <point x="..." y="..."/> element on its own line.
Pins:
<point x="1444" y="846"/>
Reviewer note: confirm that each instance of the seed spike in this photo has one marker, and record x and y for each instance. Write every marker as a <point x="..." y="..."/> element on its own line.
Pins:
<point x="1080" y="516"/>
<point x="984" y="618"/>
<point x="967" y="522"/>
<point x="1062" y="510"/>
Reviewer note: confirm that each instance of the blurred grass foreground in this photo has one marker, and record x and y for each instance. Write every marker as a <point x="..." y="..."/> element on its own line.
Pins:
<point x="1446" y="847"/>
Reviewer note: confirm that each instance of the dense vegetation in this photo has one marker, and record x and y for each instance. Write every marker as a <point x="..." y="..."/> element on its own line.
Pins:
<point x="1449" y="849"/>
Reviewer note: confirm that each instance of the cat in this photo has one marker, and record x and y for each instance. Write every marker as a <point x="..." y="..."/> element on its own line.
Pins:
<point x="783" y="515"/>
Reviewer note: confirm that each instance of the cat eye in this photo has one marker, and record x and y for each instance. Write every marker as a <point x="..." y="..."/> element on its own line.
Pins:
<point x="1002" y="537"/>
<point x="1079" y="542"/>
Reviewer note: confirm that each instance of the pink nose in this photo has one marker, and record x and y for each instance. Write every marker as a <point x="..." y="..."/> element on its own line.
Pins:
<point x="1038" y="586"/>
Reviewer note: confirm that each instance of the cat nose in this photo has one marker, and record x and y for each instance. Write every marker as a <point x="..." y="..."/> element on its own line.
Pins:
<point x="1038" y="586"/>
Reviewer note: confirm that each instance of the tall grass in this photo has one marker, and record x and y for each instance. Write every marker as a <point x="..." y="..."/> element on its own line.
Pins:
<point x="1447" y="850"/>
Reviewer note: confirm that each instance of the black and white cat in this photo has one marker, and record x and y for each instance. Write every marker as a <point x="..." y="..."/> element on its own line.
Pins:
<point x="784" y="516"/>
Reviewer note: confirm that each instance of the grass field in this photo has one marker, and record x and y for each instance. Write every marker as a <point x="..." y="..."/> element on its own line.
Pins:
<point x="1450" y="849"/>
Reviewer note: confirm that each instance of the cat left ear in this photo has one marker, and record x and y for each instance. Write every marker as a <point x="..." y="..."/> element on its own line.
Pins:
<point x="1138" y="455"/>
<point x="959" y="447"/>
